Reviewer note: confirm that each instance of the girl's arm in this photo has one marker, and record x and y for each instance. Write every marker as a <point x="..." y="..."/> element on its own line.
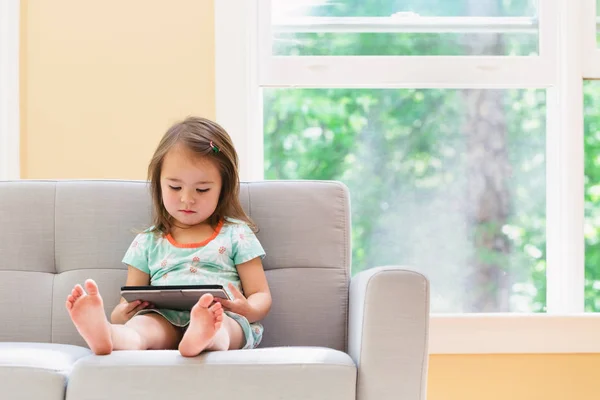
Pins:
<point x="124" y="311"/>
<point x="256" y="289"/>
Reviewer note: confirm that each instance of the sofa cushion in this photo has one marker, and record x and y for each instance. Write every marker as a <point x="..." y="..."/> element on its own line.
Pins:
<point x="273" y="373"/>
<point x="36" y="370"/>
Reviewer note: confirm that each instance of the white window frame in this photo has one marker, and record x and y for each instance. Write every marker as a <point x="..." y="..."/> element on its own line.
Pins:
<point x="410" y="71"/>
<point x="244" y="66"/>
<point x="9" y="90"/>
<point x="238" y="100"/>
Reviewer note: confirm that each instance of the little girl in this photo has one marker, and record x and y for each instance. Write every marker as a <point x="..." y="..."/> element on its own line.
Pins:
<point x="200" y="235"/>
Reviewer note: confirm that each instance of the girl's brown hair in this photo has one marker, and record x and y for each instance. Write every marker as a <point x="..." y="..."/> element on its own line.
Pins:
<point x="204" y="138"/>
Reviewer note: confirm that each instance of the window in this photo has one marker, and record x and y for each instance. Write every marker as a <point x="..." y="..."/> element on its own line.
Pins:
<point x="592" y="195"/>
<point x="473" y="108"/>
<point x="463" y="197"/>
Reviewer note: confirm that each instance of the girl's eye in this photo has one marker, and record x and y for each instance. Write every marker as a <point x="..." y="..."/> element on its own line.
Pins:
<point x="202" y="190"/>
<point x="175" y="188"/>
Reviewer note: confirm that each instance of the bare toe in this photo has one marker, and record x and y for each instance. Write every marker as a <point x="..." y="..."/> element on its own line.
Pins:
<point x="206" y="300"/>
<point x="78" y="290"/>
<point x="91" y="287"/>
<point x="218" y="320"/>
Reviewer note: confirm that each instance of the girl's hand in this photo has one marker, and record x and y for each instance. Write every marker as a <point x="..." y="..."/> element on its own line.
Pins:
<point x="238" y="305"/>
<point x="123" y="312"/>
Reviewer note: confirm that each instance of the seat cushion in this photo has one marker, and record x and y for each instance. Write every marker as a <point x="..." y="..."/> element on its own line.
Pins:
<point x="272" y="373"/>
<point x="36" y="370"/>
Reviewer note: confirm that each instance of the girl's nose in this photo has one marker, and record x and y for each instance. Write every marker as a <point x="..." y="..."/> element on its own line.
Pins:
<point x="187" y="198"/>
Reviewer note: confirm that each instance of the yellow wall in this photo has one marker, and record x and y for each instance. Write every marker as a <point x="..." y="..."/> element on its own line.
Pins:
<point x="514" y="377"/>
<point x="102" y="81"/>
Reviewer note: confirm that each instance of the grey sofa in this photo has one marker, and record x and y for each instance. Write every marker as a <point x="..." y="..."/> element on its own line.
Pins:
<point x="328" y="336"/>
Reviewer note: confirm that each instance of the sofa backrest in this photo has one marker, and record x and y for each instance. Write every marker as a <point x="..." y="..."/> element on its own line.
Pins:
<point x="54" y="234"/>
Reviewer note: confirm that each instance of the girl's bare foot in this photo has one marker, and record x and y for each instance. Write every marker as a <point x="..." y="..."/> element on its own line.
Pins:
<point x="205" y="322"/>
<point x="87" y="313"/>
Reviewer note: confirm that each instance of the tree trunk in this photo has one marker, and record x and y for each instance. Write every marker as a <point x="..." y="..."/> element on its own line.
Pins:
<point x="488" y="174"/>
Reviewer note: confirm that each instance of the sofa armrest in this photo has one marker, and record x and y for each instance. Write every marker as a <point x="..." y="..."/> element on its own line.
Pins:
<point x="388" y="333"/>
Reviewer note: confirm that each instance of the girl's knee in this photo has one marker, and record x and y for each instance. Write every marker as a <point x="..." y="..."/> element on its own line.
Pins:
<point x="156" y="332"/>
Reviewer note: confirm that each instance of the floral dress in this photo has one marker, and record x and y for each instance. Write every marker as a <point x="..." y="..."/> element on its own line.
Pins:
<point x="211" y="262"/>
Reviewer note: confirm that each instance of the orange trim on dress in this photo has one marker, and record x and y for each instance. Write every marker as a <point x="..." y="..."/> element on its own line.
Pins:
<point x="200" y="244"/>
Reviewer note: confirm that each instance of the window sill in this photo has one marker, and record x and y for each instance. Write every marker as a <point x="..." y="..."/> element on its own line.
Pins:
<point x="514" y="333"/>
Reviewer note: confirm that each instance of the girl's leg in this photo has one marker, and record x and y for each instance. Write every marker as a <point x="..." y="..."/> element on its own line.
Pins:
<point x="87" y="313"/>
<point x="229" y="337"/>
<point x="146" y="332"/>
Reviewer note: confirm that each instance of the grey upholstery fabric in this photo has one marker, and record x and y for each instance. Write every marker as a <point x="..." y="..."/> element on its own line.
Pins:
<point x="303" y="224"/>
<point x="96" y="222"/>
<point x="294" y="373"/>
<point x="27" y="226"/>
<point x="36" y="370"/>
<point x="26" y="306"/>
<point x="388" y="334"/>
<point x="313" y="315"/>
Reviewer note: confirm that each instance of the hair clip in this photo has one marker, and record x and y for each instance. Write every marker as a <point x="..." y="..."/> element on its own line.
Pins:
<point x="213" y="147"/>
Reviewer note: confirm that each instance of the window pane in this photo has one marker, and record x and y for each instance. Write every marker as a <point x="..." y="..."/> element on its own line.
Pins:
<point x="409" y="27"/>
<point x="405" y="44"/>
<point x="449" y="182"/>
<point x="592" y="195"/>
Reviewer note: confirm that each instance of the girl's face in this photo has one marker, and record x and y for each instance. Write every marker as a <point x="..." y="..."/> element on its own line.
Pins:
<point x="190" y="186"/>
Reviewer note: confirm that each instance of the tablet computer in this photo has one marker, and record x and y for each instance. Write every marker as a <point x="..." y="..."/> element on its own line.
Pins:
<point x="182" y="297"/>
